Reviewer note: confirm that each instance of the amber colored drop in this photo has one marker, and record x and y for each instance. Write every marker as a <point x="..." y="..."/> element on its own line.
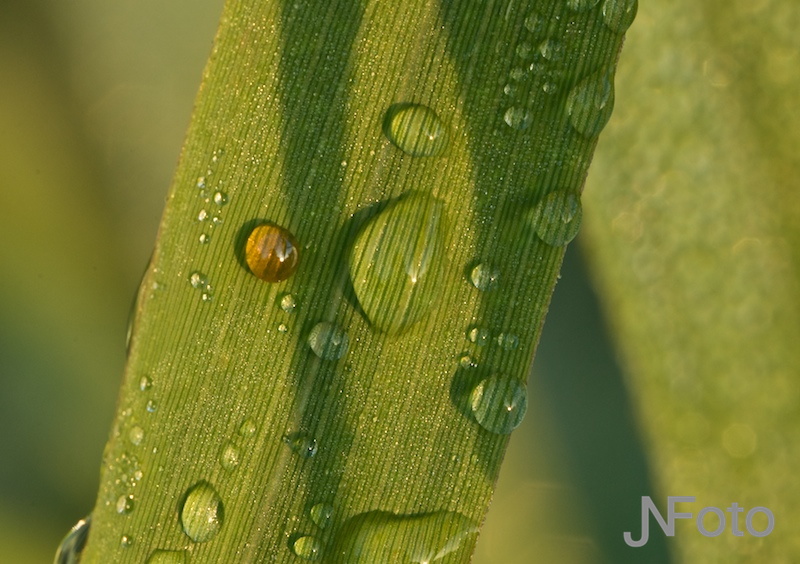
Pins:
<point x="272" y="252"/>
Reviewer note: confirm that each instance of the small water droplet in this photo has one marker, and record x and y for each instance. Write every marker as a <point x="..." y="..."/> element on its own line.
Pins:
<point x="618" y="15"/>
<point x="524" y="50"/>
<point x="321" y="514"/>
<point x="302" y="444"/>
<point x="151" y="406"/>
<point x="551" y="50"/>
<point x="518" y="118"/>
<point x="71" y="547"/>
<point x="272" y="252"/>
<point x="168" y="557"/>
<point x="581" y="5"/>
<point x="466" y="361"/>
<point x="556" y="219"/>
<point x="220" y="198"/>
<point x="282" y="328"/>
<point x="478" y="335"/>
<point x="145" y="383"/>
<point x="136" y="435"/>
<point x="307" y="547"/>
<point x="549" y="87"/>
<point x="509" y="89"/>
<point x="202" y="215"/>
<point x="535" y="23"/>
<point x="590" y="104"/>
<point x="415" y="129"/>
<point x="204" y="238"/>
<point x="287" y="303"/>
<point x="247" y="428"/>
<point x="198" y="280"/>
<point x="126" y="541"/>
<point x="328" y="341"/>
<point x="499" y="403"/>
<point x="229" y="457"/>
<point x="124" y="504"/>
<point x="484" y="277"/>
<point x="202" y="512"/>
<point x="517" y="74"/>
<point x="508" y="341"/>
<point x="201" y="182"/>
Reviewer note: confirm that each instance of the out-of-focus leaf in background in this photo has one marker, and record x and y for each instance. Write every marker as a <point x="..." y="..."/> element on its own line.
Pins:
<point x="691" y="231"/>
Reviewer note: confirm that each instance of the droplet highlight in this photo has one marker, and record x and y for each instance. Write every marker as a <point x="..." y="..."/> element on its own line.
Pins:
<point x="272" y="253"/>
<point x="397" y="260"/>
<point x="499" y="403"/>
<point x="328" y="341"/>
<point x="618" y="15"/>
<point x="71" y="547"/>
<point x="202" y="512"/>
<point x="307" y="547"/>
<point x="416" y="130"/>
<point x="556" y="218"/>
<point x="590" y="104"/>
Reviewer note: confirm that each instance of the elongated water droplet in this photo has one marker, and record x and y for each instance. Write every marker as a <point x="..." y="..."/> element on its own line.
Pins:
<point x="168" y="557"/>
<point x="478" y="335"/>
<point x="380" y="536"/>
<point x="556" y="219"/>
<point x="202" y="512"/>
<point x="508" y="341"/>
<point x="229" y="457"/>
<point x="618" y="15"/>
<point x="220" y="198"/>
<point x="145" y="383"/>
<point x="484" y="277"/>
<point x="416" y="130"/>
<point x="71" y="547"/>
<point x="247" y="428"/>
<point x="272" y="252"/>
<point x="124" y="504"/>
<point x="307" y="547"/>
<point x="397" y="260"/>
<point x="302" y="444"/>
<point x="499" y="403"/>
<point x="581" y="5"/>
<point x="328" y="341"/>
<point x="590" y="104"/>
<point x="321" y="514"/>
<point x="518" y="118"/>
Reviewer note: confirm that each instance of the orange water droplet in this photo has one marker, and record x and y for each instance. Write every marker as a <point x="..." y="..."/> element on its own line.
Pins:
<point x="272" y="252"/>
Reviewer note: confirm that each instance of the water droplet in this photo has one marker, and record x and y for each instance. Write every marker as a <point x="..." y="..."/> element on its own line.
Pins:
<point x="507" y="341"/>
<point x="201" y="182"/>
<point x="551" y="50"/>
<point x="581" y="5"/>
<point x="518" y="118"/>
<point x="272" y="252"/>
<point x="415" y="129"/>
<point x="202" y="512"/>
<point x="220" y="198"/>
<point x="198" y="280"/>
<point x="145" y="383"/>
<point x="517" y="74"/>
<point x="509" y="89"/>
<point x="151" y="406"/>
<point x="590" y="103"/>
<point x="168" y="557"/>
<point x="124" y="504"/>
<point x="549" y="87"/>
<point x="478" y="335"/>
<point x="229" y="457"/>
<point x="204" y="238"/>
<point x="499" y="403"/>
<point x="466" y="361"/>
<point x="535" y="23"/>
<point x="484" y="277"/>
<point x="397" y="260"/>
<point x="283" y="328"/>
<point x="202" y="216"/>
<point x="556" y="219"/>
<point x="380" y="536"/>
<point x="136" y="435"/>
<point x="328" y="341"/>
<point x="302" y="444"/>
<point x="126" y="541"/>
<point x="247" y="428"/>
<point x="71" y="547"/>
<point x="524" y="50"/>
<point x="307" y="547"/>
<point x="287" y="303"/>
<point x="618" y="15"/>
<point x="321" y="514"/>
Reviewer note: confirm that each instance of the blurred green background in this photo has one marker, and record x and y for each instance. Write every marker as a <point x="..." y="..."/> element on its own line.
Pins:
<point x="95" y="98"/>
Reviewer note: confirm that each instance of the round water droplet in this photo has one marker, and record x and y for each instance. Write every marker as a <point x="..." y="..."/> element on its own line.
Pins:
<point x="509" y="89"/>
<point x="466" y="361"/>
<point x="124" y="504"/>
<point x="478" y="335"/>
<point x="229" y="457"/>
<point x="204" y="238"/>
<point x="287" y="303"/>
<point x="126" y="541"/>
<point x="307" y="547"/>
<point x="272" y="252"/>
<point x="524" y="50"/>
<point x="282" y="328"/>
<point x="151" y="406"/>
<point x="581" y="5"/>
<point x="202" y="216"/>
<point x="551" y="50"/>
<point x="517" y="74"/>
<point x="198" y="280"/>
<point x="499" y="403"/>
<point x="247" y="428"/>
<point x="556" y="219"/>
<point x="535" y="23"/>
<point x="302" y="444"/>
<point x="508" y="341"/>
<point x="145" y="383"/>
<point x="71" y="547"/>
<point x="202" y="513"/>
<point x="220" y="198"/>
<point x="484" y="277"/>
<point x="168" y="557"/>
<point x="328" y="341"/>
<point x="136" y="435"/>
<point x="618" y="15"/>
<point x="590" y="104"/>
<point x="321" y="514"/>
<point x="201" y="182"/>
<point x="415" y="129"/>
<point x="518" y="118"/>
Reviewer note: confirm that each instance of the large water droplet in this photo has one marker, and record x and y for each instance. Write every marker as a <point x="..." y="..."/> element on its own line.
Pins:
<point x="302" y="444"/>
<point x="307" y="547"/>
<point x="272" y="252"/>
<point x="71" y="548"/>
<point x="618" y="15"/>
<point x="499" y="403"/>
<point x="168" y="557"/>
<point x="328" y="341"/>
<point x="380" y="536"/>
<point x="415" y="129"/>
<point x="556" y="218"/>
<point x="581" y="5"/>
<point x="484" y="276"/>
<point x="590" y="104"/>
<point x="321" y="514"/>
<point x="202" y="512"/>
<point x="397" y="260"/>
<point x="518" y="118"/>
